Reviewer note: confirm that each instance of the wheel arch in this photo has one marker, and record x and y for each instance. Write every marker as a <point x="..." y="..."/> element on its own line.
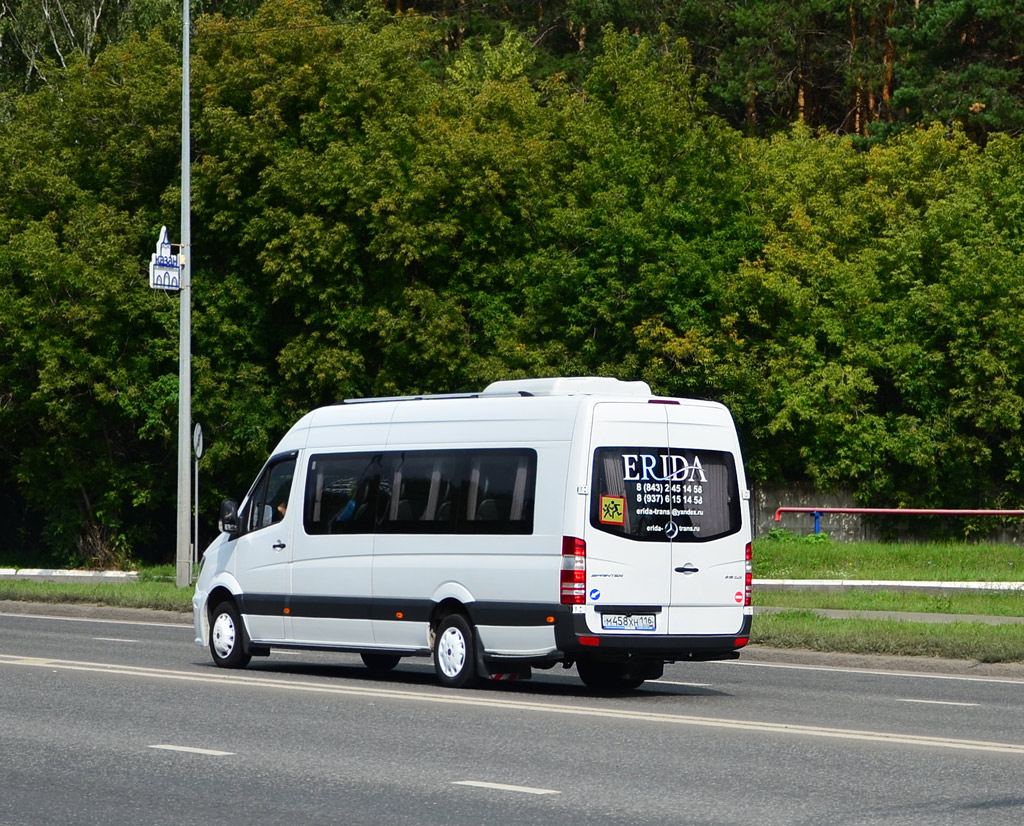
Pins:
<point x="445" y="608"/>
<point x="452" y="591"/>
<point x="449" y="598"/>
<point x="218" y="594"/>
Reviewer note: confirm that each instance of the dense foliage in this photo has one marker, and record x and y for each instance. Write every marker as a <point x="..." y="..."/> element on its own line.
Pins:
<point x="869" y="68"/>
<point x="400" y="203"/>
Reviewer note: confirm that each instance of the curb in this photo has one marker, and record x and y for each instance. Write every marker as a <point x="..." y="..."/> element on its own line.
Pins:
<point x="890" y="663"/>
<point x="65" y="575"/>
<point x="900" y="616"/>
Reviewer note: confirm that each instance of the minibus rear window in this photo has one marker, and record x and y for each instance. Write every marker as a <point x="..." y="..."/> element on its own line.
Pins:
<point x="662" y="495"/>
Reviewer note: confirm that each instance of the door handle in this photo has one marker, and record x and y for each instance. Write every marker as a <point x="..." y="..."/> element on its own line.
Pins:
<point x="279" y="545"/>
<point x="687" y="569"/>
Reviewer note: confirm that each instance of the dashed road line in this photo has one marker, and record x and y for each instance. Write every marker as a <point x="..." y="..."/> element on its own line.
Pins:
<point x="936" y="702"/>
<point x="193" y="750"/>
<point x="504" y="787"/>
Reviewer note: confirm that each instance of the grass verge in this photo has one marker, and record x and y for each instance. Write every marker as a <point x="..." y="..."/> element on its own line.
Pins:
<point x="782" y="555"/>
<point x="161" y="596"/>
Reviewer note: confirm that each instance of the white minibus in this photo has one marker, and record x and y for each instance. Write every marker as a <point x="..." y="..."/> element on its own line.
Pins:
<point x="559" y="521"/>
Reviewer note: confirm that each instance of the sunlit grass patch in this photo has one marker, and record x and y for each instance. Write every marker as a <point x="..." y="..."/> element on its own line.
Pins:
<point x="782" y="555"/>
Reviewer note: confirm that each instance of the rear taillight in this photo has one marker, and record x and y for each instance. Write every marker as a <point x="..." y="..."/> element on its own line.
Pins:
<point x="574" y="571"/>
<point x="748" y="589"/>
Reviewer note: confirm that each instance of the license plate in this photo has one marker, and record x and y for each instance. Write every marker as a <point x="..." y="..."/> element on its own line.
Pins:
<point x="627" y="622"/>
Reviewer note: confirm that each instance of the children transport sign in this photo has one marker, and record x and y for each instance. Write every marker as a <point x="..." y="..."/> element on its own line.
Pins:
<point x="164" y="266"/>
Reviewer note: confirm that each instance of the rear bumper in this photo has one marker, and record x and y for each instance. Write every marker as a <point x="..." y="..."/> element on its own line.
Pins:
<point x="576" y="640"/>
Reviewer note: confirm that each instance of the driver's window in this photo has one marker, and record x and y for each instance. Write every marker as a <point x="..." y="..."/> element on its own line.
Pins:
<point x="269" y="501"/>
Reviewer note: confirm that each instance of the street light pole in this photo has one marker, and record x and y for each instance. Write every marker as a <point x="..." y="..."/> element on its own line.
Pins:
<point x="184" y="551"/>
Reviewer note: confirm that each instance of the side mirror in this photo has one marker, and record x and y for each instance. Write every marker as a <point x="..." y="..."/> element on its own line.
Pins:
<point x="228" y="522"/>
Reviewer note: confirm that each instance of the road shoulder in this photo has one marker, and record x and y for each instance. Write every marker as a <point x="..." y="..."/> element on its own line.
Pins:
<point x="881" y="662"/>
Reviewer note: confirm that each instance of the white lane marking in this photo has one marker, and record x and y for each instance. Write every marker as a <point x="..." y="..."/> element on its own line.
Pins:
<point x="91" y="619"/>
<point x="193" y="750"/>
<point x="875" y="672"/>
<point x="504" y="787"/>
<point x="685" y="685"/>
<point x="112" y="639"/>
<point x="936" y="702"/>
<point x="466" y="699"/>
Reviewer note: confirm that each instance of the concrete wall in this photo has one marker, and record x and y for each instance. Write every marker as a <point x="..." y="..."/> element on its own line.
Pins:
<point x="766" y="499"/>
<point x="847" y="527"/>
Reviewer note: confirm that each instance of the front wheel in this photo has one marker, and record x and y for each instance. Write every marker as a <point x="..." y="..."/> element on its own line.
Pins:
<point x="227" y="637"/>
<point x="454" y="661"/>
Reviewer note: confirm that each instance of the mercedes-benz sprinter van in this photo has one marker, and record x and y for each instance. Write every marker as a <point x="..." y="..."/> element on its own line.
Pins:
<point x="574" y="521"/>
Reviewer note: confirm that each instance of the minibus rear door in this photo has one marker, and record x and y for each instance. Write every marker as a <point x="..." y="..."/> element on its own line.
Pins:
<point x="705" y="526"/>
<point x="629" y="567"/>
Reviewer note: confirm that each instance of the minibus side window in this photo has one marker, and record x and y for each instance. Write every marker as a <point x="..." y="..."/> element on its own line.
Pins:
<point x="341" y="493"/>
<point x="500" y="493"/>
<point x="421" y="492"/>
<point x="459" y="491"/>
<point x="425" y="488"/>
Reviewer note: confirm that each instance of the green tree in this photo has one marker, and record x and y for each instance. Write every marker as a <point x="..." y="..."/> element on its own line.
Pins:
<point x="82" y="161"/>
<point x="643" y="216"/>
<point x="959" y="63"/>
<point x="369" y="190"/>
<point x="873" y="343"/>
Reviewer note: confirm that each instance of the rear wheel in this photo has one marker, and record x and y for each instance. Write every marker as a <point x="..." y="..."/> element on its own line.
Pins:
<point x="454" y="661"/>
<point x="608" y="677"/>
<point x="227" y="637"/>
<point x="380" y="662"/>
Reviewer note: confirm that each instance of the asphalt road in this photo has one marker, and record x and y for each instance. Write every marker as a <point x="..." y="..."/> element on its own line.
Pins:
<point x="119" y="722"/>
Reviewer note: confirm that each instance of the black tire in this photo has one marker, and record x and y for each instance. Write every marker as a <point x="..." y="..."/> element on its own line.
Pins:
<point x="455" y="652"/>
<point x="228" y="644"/>
<point x="380" y="663"/>
<point x="607" y="677"/>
